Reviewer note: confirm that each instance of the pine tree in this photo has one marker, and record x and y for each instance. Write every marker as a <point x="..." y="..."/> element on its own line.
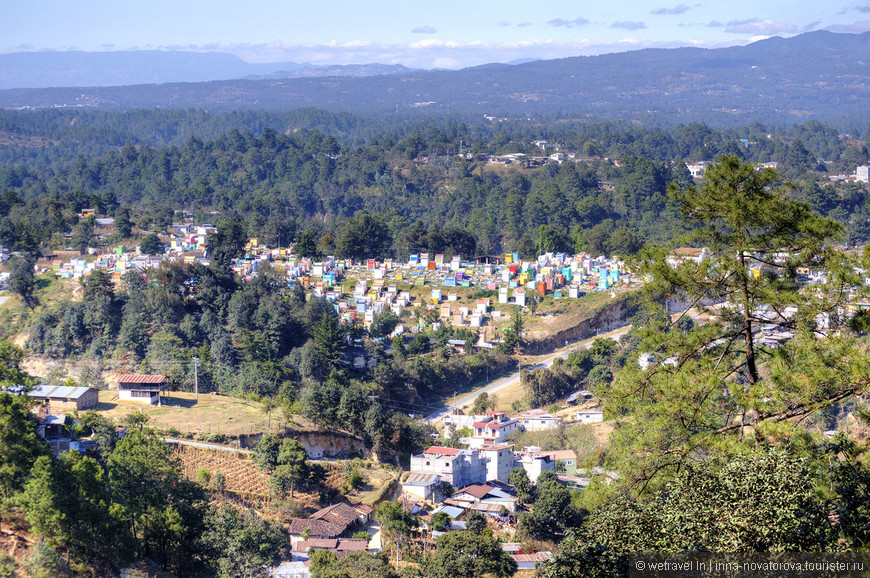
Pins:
<point x="329" y="340"/>
<point x="713" y="388"/>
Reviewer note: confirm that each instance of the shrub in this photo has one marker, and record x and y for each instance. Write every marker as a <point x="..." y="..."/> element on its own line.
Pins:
<point x="203" y="477"/>
<point x="355" y="480"/>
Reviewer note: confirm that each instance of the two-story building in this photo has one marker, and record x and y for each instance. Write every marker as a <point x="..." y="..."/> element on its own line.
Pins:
<point x="457" y="467"/>
<point x="141" y="388"/>
<point x="498" y="460"/>
<point x="534" y="461"/>
<point x="495" y="430"/>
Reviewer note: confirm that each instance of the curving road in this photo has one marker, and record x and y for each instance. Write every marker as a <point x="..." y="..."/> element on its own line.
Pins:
<point x="514" y="378"/>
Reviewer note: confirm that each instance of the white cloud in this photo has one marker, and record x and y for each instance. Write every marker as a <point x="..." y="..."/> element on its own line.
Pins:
<point x="577" y="22"/>
<point x="628" y="25"/>
<point x="680" y="9"/>
<point x="424" y="30"/>
<point x="436" y="53"/>
<point x="854" y="28"/>
<point x="760" y="27"/>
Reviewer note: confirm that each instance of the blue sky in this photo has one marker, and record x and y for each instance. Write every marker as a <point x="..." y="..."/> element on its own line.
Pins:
<point x="427" y="34"/>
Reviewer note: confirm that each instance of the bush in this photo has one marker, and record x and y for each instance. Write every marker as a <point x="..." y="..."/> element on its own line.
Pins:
<point x="44" y="561"/>
<point x="203" y="477"/>
<point x="362" y="535"/>
<point x="355" y="480"/>
<point x="7" y="565"/>
<point x="219" y="482"/>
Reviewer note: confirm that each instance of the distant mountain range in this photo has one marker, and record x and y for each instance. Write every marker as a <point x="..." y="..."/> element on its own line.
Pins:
<point x="818" y="75"/>
<point x="132" y="67"/>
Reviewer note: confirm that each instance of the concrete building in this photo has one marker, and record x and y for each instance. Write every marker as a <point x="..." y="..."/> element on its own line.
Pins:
<point x="862" y="173"/>
<point x="62" y="398"/>
<point x="459" y="468"/>
<point x="696" y="169"/>
<point x="537" y="420"/>
<point x="499" y="461"/>
<point x="455" y="422"/>
<point x="534" y="462"/>
<point x="590" y="416"/>
<point x="567" y="457"/>
<point x="421" y="486"/>
<point x="494" y="430"/>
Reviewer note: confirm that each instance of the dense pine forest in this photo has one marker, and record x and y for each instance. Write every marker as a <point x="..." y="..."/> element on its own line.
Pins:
<point x="283" y="175"/>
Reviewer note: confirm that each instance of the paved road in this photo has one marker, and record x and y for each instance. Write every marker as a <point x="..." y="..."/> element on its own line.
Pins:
<point x="501" y="383"/>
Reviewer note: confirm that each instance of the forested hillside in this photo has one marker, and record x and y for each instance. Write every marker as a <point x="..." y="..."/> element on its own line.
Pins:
<point x="280" y="184"/>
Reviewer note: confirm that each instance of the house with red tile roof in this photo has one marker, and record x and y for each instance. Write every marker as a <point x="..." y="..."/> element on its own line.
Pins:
<point x="494" y="430"/>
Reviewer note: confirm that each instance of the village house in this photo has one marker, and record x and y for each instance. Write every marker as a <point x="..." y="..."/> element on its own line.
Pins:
<point x="421" y="486"/>
<point x="682" y="254"/>
<point x="484" y="498"/>
<point x="537" y="420"/>
<point x="142" y="388"/>
<point x="457" y="467"/>
<point x="567" y="457"/>
<point x="340" y="546"/>
<point x="583" y="394"/>
<point x="328" y="523"/>
<point x="534" y="462"/>
<point x="457" y="421"/>
<point x="494" y="430"/>
<point x="499" y="461"/>
<point x="590" y="416"/>
<point x="696" y="169"/>
<point x="61" y="398"/>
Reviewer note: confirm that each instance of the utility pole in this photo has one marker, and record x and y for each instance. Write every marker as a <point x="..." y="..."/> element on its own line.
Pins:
<point x="195" y="378"/>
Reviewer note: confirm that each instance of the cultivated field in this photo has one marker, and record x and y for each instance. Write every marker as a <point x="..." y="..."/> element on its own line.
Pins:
<point x="242" y="475"/>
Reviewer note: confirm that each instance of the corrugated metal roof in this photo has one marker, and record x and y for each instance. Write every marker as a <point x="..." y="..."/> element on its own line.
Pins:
<point x="536" y="557"/>
<point x="64" y="391"/>
<point x="139" y="378"/>
<point x="451" y="511"/>
<point x="421" y="479"/>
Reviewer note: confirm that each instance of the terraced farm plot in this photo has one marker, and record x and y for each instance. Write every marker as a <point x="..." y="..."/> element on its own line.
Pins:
<point x="242" y="475"/>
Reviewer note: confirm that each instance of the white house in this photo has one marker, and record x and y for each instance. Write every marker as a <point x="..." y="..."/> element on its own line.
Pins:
<point x="457" y="467"/>
<point x="499" y="460"/>
<point x="534" y="462"/>
<point x="141" y="388"/>
<point x="590" y="416"/>
<point x="537" y="420"/>
<point x="495" y="430"/>
<point x="421" y="486"/>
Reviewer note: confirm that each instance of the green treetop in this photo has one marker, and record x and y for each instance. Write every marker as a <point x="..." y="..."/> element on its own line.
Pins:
<point x="713" y="388"/>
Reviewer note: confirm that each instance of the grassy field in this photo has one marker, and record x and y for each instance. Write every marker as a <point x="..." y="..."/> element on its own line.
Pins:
<point x="211" y="414"/>
<point x="15" y="316"/>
